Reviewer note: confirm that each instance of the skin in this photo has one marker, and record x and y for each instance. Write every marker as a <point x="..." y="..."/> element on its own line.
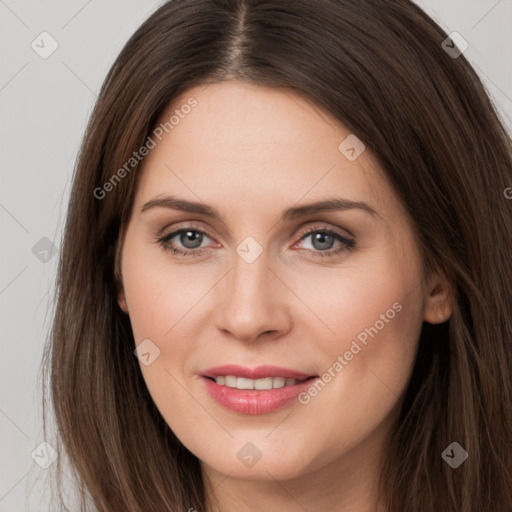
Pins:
<point x="251" y="152"/>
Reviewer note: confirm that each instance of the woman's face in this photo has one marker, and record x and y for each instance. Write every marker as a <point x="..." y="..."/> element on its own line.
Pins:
<point x="267" y="282"/>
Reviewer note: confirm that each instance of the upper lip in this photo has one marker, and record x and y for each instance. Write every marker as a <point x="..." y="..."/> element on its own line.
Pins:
<point x="259" y="372"/>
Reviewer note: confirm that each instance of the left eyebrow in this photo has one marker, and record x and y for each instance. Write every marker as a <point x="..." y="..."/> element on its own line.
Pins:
<point x="325" y="206"/>
<point x="295" y="212"/>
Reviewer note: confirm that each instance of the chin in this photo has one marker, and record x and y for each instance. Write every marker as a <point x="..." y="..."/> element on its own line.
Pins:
<point x="269" y="469"/>
<point x="259" y="460"/>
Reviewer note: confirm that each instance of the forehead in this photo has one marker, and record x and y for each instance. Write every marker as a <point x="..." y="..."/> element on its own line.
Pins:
<point x="257" y="145"/>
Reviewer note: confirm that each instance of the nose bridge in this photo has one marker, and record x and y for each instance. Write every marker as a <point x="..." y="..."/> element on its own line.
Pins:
<point x="250" y="283"/>
<point x="250" y="269"/>
<point x="250" y="305"/>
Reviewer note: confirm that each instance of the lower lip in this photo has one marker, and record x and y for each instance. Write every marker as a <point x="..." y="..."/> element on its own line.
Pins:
<point x="253" y="401"/>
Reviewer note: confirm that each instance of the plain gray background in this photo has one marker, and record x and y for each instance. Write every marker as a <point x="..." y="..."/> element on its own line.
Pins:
<point x="45" y="104"/>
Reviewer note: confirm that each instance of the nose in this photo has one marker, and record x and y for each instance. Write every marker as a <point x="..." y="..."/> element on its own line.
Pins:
<point x="253" y="302"/>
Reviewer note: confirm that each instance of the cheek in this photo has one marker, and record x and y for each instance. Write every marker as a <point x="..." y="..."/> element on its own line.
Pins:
<point x="160" y="295"/>
<point x="165" y="302"/>
<point x="377" y="297"/>
<point x="371" y="318"/>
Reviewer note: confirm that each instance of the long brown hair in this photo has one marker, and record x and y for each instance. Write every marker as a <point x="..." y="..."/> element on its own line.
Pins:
<point x="381" y="68"/>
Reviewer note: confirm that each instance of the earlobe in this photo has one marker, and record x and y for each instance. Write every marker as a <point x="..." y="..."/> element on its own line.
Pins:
<point x="439" y="302"/>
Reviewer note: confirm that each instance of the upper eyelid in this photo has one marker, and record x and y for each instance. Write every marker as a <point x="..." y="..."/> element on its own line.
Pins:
<point x="331" y="222"/>
<point x="301" y="233"/>
<point x="324" y="227"/>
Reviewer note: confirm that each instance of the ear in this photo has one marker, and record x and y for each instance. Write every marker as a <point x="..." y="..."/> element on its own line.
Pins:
<point x="118" y="276"/>
<point x="121" y="298"/>
<point x="439" y="299"/>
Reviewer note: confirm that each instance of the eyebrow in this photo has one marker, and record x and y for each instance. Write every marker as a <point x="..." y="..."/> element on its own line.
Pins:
<point x="334" y="204"/>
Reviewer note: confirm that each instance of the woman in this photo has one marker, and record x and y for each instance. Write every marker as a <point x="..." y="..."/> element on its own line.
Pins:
<point x="284" y="281"/>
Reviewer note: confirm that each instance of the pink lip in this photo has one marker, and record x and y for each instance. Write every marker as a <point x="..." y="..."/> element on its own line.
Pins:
<point x="255" y="401"/>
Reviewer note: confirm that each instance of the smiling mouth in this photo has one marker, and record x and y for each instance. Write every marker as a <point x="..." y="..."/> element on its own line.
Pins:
<point x="259" y="390"/>
<point x="265" y="383"/>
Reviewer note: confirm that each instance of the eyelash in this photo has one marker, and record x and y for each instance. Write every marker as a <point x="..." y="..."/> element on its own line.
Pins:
<point x="347" y="243"/>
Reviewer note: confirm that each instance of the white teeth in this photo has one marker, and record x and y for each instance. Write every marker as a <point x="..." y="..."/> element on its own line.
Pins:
<point x="261" y="384"/>
<point x="230" y="381"/>
<point x="243" y="383"/>
<point x="278" y="382"/>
